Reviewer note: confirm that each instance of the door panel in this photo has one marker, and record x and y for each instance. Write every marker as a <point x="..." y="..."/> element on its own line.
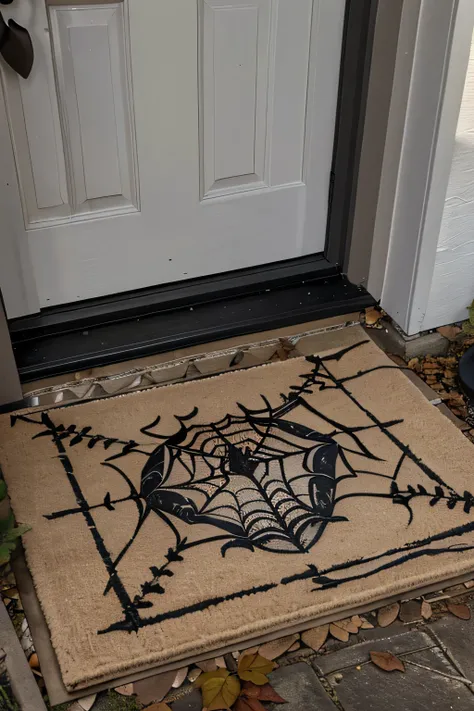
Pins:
<point x="160" y="140"/>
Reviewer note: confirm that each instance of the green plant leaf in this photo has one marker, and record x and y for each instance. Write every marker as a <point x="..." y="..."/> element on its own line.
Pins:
<point x="6" y="549"/>
<point x="3" y="489"/>
<point x="6" y="524"/>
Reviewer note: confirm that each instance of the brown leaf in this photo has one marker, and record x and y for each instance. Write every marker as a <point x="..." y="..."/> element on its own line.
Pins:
<point x="316" y="637"/>
<point x="158" y="707"/>
<point x="414" y="364"/>
<point x="357" y="621"/>
<point x="125" y="690"/>
<point x="263" y="693"/>
<point x="347" y="625"/>
<point x="461" y="611"/>
<point x="274" y="649"/>
<point x="219" y="690"/>
<point x="366" y="625"/>
<point x="339" y="633"/>
<point x="372" y="316"/>
<point x="250" y="650"/>
<point x="87" y="702"/>
<point x="426" y="610"/>
<point x="153" y="688"/>
<point x="245" y="704"/>
<point x="193" y="674"/>
<point x="181" y="675"/>
<point x="294" y="647"/>
<point x="387" y="615"/>
<point x="33" y="661"/>
<point x="387" y="661"/>
<point x="449" y="332"/>
<point x="220" y="663"/>
<point x="255" y="668"/>
<point x="207" y="665"/>
<point x="410" y="611"/>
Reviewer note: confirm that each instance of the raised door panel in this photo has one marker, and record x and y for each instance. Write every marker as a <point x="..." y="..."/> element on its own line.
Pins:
<point x="72" y="120"/>
<point x="254" y="64"/>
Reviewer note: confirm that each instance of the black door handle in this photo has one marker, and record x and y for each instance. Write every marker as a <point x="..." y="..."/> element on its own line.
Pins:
<point x="16" y="46"/>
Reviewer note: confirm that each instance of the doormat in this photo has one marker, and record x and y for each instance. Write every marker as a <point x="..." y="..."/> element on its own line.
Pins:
<point x="173" y="522"/>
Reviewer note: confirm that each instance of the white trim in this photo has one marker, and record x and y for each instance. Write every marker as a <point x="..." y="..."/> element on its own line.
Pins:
<point x="441" y="53"/>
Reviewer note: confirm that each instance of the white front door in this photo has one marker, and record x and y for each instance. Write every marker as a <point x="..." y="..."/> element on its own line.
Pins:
<point x="161" y="140"/>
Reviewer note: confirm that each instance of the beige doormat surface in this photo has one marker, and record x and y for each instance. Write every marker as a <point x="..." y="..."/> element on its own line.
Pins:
<point x="180" y="520"/>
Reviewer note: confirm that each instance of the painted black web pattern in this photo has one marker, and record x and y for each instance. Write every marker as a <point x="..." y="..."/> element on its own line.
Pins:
<point x="258" y="479"/>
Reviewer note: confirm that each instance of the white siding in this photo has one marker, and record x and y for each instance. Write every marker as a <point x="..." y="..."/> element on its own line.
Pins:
<point x="452" y="287"/>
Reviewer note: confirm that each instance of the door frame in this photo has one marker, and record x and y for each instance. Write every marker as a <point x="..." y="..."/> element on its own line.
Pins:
<point x="432" y="58"/>
<point x="354" y="81"/>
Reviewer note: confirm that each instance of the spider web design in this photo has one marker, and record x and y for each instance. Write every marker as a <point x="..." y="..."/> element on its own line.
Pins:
<point x="259" y="478"/>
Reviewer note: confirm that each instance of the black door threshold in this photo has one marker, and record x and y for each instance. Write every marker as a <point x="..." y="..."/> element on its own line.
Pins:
<point x="49" y="344"/>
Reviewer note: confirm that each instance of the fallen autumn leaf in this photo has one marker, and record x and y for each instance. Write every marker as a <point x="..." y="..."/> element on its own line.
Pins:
<point x="461" y="611"/>
<point x="255" y="668"/>
<point x="388" y="614"/>
<point x="219" y="690"/>
<point x="262" y="693"/>
<point x="387" y="661"/>
<point x="316" y="637"/>
<point x="339" y="633"/>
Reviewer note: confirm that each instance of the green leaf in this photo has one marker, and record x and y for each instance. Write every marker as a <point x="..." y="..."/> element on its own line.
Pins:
<point x="6" y="550"/>
<point x="3" y="489"/>
<point x="20" y="530"/>
<point x="6" y="524"/>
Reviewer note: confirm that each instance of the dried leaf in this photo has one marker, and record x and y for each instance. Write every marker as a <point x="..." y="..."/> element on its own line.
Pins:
<point x="254" y="667"/>
<point x="294" y="647"/>
<point x="426" y="610"/>
<point x="339" y="633"/>
<point x="410" y="611"/>
<point x="387" y="615"/>
<point x="461" y="611"/>
<point x="87" y="702"/>
<point x="414" y="364"/>
<point x="469" y="584"/>
<point x="154" y="688"/>
<point x="263" y="693"/>
<point x="316" y="637"/>
<point x="207" y="665"/>
<point x="347" y="625"/>
<point x="387" y="661"/>
<point x="33" y="661"/>
<point x="158" y="707"/>
<point x="181" y="675"/>
<point x="219" y="690"/>
<point x="250" y="650"/>
<point x="272" y="650"/>
<point x="372" y="316"/>
<point x="220" y="663"/>
<point x="216" y="674"/>
<point x="449" y="332"/>
<point x="193" y="674"/>
<point x="125" y="690"/>
<point x="357" y="621"/>
<point x="366" y="625"/>
<point x="245" y="704"/>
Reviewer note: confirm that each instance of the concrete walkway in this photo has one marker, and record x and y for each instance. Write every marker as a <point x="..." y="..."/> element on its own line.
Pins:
<point x="437" y="657"/>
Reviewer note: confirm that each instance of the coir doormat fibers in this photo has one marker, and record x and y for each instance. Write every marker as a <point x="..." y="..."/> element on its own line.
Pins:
<point x="172" y="522"/>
